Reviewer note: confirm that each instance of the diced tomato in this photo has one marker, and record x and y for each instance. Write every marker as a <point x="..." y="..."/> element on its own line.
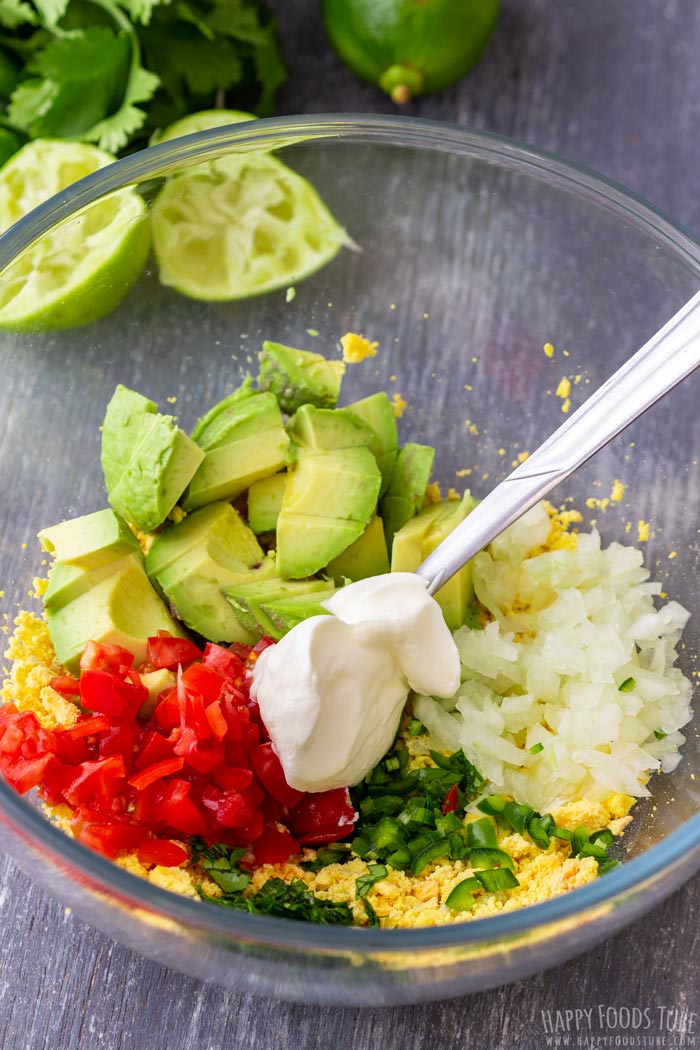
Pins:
<point x="216" y="720"/>
<point x="227" y="776"/>
<point x="271" y="775"/>
<point x="66" y="685"/>
<point x="109" y="839"/>
<point x="26" y="773"/>
<point x="163" y="852"/>
<point x="103" y="691"/>
<point x="263" y="644"/>
<point x="224" y="661"/>
<point x="175" y="809"/>
<point x="449" y="803"/>
<point x="94" y="783"/>
<point x="242" y="651"/>
<point x="203" y="680"/>
<point x="87" y="727"/>
<point x="324" y="816"/>
<point x="167" y="652"/>
<point x="156" y="772"/>
<point x="274" y="846"/>
<point x="103" y="656"/>
<point x="154" y="748"/>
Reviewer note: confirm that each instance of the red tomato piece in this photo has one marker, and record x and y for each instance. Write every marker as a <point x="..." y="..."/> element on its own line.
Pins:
<point x="323" y="816"/>
<point x="103" y="656"/>
<point x="65" y="684"/>
<point x="263" y="644"/>
<point x="227" y="776"/>
<point x="26" y="773"/>
<point x="175" y="809"/>
<point x="224" y="661"/>
<point x="203" y="680"/>
<point x="103" y="691"/>
<point x="449" y="803"/>
<point x="167" y="652"/>
<point x="156" y="772"/>
<point x="109" y="839"/>
<point x="216" y="720"/>
<point x="94" y="783"/>
<point x="154" y="748"/>
<point x="87" y="727"/>
<point x="163" y="852"/>
<point x="268" y="769"/>
<point x="274" y="846"/>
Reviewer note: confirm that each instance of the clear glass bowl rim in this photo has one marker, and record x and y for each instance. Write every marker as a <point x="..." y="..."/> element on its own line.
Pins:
<point x="400" y="132"/>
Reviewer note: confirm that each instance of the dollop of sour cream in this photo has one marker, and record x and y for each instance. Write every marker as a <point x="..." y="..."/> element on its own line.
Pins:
<point x="331" y="692"/>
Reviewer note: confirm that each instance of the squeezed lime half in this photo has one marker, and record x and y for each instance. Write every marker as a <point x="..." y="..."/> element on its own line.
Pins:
<point x="79" y="271"/>
<point x="205" y="120"/>
<point x="240" y="226"/>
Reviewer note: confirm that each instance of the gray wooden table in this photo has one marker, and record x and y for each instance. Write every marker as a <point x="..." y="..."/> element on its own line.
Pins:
<point x="614" y="84"/>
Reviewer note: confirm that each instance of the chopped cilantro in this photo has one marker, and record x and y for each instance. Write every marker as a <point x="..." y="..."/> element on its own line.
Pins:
<point x="113" y="71"/>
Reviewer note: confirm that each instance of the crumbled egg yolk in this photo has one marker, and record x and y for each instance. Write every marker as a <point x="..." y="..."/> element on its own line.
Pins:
<point x="398" y="404"/>
<point x="356" y="348"/>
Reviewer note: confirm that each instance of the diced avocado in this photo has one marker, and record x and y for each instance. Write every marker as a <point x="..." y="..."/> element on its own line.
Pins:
<point x="244" y="443"/>
<point x="329" y="499"/>
<point x="420" y="536"/>
<point x="303" y="541"/>
<point x="191" y="561"/>
<point x="250" y="600"/>
<point x="299" y="377"/>
<point x="377" y="412"/>
<point x="407" y="548"/>
<point x="242" y="419"/>
<point x="240" y="394"/>
<point x="89" y="541"/>
<point x="367" y="556"/>
<point x="265" y="501"/>
<point x="406" y="491"/>
<point x="229" y="470"/>
<point x="122" y="425"/>
<point x="285" y="613"/>
<point x="147" y="460"/>
<point x="122" y="609"/>
<point x="327" y="428"/>
<point x="156" y="682"/>
<point x="68" y="582"/>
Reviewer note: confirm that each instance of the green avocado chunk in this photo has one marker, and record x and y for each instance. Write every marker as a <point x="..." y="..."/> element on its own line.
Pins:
<point x="256" y="603"/>
<point x="299" y="377"/>
<point x="242" y="444"/>
<point x="420" y="536"/>
<point x="265" y="502"/>
<point x="327" y="428"/>
<point x="285" y="613"/>
<point x="377" y="412"/>
<point x="68" y="582"/>
<point x="244" y="391"/>
<point x="90" y="541"/>
<point x="147" y="460"/>
<point x="406" y="491"/>
<point x="192" y="561"/>
<point x="329" y="499"/>
<point x="367" y="556"/>
<point x="122" y="609"/>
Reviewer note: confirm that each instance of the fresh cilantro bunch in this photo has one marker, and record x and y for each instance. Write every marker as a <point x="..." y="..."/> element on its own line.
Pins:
<point x="113" y="71"/>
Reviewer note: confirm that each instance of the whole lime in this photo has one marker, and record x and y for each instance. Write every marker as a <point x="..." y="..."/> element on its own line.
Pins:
<point x="410" y="47"/>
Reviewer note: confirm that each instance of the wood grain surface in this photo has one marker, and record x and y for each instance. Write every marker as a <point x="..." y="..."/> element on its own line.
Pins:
<point x="613" y="84"/>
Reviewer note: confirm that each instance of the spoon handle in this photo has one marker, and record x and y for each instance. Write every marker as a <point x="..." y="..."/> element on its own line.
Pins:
<point x="666" y="359"/>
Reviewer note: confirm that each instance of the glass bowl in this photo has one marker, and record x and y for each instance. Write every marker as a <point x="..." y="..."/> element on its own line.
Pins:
<point x="474" y="252"/>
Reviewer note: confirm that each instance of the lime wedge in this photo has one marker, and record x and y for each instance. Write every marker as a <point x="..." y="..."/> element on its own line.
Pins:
<point x="240" y="226"/>
<point x="205" y="120"/>
<point x="79" y="271"/>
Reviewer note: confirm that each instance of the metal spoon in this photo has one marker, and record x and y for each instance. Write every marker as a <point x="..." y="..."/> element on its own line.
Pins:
<point x="666" y="359"/>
